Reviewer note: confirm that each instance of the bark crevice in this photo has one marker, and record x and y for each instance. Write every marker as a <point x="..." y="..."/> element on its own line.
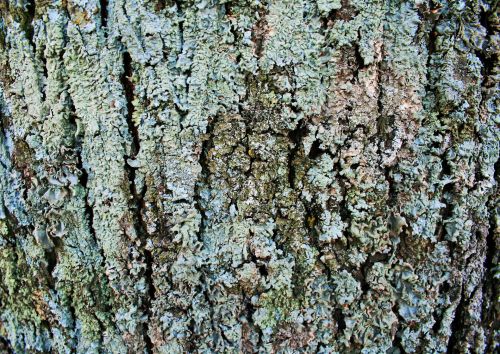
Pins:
<point x="138" y="194"/>
<point x="103" y="11"/>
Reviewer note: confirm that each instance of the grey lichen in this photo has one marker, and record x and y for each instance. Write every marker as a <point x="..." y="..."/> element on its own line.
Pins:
<point x="249" y="176"/>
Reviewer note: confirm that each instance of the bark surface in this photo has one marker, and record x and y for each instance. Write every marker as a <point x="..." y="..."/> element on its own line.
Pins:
<point x="249" y="176"/>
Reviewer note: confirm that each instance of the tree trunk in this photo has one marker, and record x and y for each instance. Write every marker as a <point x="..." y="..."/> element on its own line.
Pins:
<point x="249" y="176"/>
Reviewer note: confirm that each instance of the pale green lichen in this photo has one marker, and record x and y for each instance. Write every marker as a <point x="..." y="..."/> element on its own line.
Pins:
<point x="248" y="176"/>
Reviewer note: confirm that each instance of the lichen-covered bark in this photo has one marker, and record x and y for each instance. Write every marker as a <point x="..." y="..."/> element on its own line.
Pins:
<point x="249" y="176"/>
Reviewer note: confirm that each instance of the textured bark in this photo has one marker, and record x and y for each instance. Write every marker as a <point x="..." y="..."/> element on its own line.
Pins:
<point x="249" y="176"/>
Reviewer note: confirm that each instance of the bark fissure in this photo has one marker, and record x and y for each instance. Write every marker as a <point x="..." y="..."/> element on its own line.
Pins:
<point x="259" y="32"/>
<point x="5" y="345"/>
<point x="456" y="325"/>
<point x="28" y="18"/>
<point x="487" y="58"/>
<point x="295" y="136"/>
<point x="490" y="307"/>
<point x="103" y="8"/>
<point x="204" y="182"/>
<point x="137" y="202"/>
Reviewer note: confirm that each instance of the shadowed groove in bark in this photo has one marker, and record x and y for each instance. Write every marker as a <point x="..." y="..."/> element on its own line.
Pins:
<point x="137" y="206"/>
<point x="259" y="31"/>
<point x="103" y="5"/>
<point x="311" y="218"/>
<point x="249" y="312"/>
<point x="160" y="5"/>
<point x="203" y="182"/>
<point x="182" y="111"/>
<point x="455" y="339"/>
<point x="487" y="58"/>
<point x="433" y="18"/>
<point x="128" y="87"/>
<point x="446" y="199"/>
<point x="29" y="16"/>
<point x="490" y="288"/>
<point x="316" y="151"/>
<point x="491" y="309"/>
<point x="397" y="343"/>
<point x="5" y="346"/>
<point x="295" y="136"/>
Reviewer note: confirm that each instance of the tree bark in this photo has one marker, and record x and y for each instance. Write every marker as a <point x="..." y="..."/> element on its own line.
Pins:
<point x="249" y="176"/>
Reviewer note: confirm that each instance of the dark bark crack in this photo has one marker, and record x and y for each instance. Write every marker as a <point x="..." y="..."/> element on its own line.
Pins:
<point x="27" y="21"/>
<point x="259" y="32"/>
<point x="5" y="346"/>
<point x="446" y="199"/>
<point x="202" y="183"/>
<point x="296" y="136"/>
<point x="490" y="287"/>
<point x="458" y="323"/>
<point x="103" y="4"/>
<point x="138" y="204"/>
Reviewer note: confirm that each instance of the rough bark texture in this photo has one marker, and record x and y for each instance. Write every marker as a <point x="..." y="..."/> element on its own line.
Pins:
<point x="249" y="176"/>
